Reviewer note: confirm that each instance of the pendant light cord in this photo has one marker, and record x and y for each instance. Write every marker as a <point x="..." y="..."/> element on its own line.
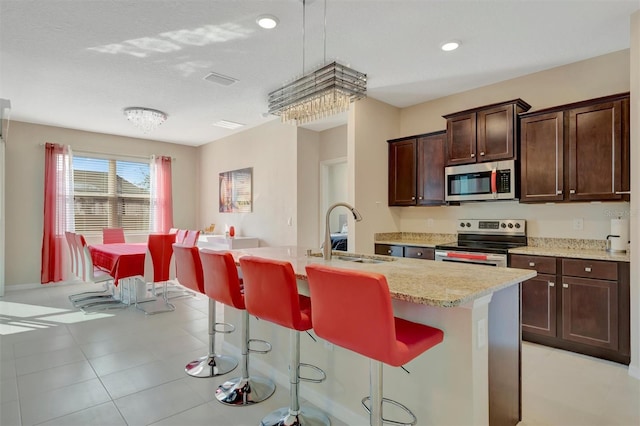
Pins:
<point x="325" y="33"/>
<point x="304" y="4"/>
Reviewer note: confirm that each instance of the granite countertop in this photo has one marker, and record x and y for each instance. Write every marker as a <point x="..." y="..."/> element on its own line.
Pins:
<point x="419" y="281"/>
<point x="556" y="247"/>
<point x="414" y="239"/>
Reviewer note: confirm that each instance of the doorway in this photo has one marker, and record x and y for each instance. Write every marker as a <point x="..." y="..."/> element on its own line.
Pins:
<point x="333" y="189"/>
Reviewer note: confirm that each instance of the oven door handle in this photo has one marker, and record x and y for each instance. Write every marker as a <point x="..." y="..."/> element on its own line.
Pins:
<point x="466" y="256"/>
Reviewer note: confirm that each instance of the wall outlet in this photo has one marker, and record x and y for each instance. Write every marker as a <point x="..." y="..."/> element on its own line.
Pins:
<point x="578" y="224"/>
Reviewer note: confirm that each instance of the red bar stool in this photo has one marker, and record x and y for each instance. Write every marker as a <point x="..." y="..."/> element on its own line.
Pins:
<point x="221" y="282"/>
<point x="271" y="293"/>
<point x="189" y="274"/>
<point x="352" y="309"/>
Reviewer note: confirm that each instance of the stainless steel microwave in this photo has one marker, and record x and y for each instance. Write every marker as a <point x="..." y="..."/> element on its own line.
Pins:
<point x="494" y="180"/>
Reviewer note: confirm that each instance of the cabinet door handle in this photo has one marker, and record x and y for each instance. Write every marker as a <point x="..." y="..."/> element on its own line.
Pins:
<point x="473" y="155"/>
<point x="559" y="192"/>
<point x="419" y="198"/>
<point x="587" y="269"/>
<point x="565" y="285"/>
<point x="532" y="264"/>
<point x="552" y="284"/>
<point x="389" y="251"/>
<point x="482" y="153"/>
<point x="623" y="192"/>
<point x="572" y="191"/>
<point x="419" y="253"/>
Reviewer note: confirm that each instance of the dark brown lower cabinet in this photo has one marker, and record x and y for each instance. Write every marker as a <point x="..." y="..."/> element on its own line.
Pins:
<point x="577" y="305"/>
<point x="539" y="305"/>
<point x="405" y="251"/>
<point x="590" y="312"/>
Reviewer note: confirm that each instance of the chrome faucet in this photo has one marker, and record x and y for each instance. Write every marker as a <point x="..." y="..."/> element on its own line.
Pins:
<point x="326" y="248"/>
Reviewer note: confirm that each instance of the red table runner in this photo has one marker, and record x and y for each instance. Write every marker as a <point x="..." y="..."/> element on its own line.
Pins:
<point x="120" y="260"/>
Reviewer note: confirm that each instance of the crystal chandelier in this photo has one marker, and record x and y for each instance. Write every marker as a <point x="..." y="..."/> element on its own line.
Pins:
<point x="324" y="92"/>
<point x="146" y="119"/>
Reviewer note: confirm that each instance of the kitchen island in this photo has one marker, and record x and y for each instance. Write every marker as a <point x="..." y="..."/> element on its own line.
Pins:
<point x="471" y="378"/>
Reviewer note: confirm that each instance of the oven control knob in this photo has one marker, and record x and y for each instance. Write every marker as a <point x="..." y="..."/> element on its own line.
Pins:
<point x="468" y="225"/>
<point x="503" y="225"/>
<point x="462" y="224"/>
<point x="510" y="225"/>
<point x="517" y="225"/>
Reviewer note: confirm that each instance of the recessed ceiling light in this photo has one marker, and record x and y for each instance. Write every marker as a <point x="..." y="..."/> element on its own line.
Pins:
<point x="267" y="21"/>
<point x="228" y="124"/>
<point x="450" y="45"/>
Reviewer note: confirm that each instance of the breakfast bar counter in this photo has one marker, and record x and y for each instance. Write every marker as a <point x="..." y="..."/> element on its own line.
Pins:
<point x="471" y="378"/>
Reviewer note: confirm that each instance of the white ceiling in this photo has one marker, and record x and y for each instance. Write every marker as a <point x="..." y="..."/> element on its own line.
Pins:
<point x="78" y="63"/>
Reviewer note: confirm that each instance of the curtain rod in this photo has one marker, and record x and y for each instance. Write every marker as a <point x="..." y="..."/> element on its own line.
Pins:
<point x="114" y="155"/>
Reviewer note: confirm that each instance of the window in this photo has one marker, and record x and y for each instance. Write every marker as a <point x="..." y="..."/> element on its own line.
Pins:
<point x="110" y="193"/>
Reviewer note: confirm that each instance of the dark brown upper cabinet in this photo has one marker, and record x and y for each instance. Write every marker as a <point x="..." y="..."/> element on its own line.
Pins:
<point x="416" y="170"/>
<point x="483" y="134"/>
<point x="576" y="152"/>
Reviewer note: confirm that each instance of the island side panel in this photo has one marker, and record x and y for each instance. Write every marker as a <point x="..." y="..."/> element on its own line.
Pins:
<point x="505" y="392"/>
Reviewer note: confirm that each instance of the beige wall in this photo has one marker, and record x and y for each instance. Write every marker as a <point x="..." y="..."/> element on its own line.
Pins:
<point x="25" y="186"/>
<point x="600" y="76"/>
<point x="308" y="188"/>
<point x="371" y="124"/>
<point x="271" y="149"/>
<point x="333" y="143"/>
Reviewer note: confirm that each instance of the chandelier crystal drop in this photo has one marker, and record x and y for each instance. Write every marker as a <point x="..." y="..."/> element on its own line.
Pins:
<point x="146" y="119"/>
<point x="319" y="94"/>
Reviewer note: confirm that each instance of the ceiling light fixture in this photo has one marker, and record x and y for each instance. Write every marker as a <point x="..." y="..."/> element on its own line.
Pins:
<point x="324" y="92"/>
<point x="450" y="45"/>
<point x="146" y="119"/>
<point x="267" y="21"/>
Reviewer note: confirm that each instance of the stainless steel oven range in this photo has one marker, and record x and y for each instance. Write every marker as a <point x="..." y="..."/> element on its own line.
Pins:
<point x="484" y="241"/>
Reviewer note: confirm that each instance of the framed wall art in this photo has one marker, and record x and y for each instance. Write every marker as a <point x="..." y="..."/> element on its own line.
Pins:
<point x="235" y="191"/>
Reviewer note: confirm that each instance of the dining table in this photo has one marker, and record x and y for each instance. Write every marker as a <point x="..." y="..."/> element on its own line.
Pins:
<point x="120" y="260"/>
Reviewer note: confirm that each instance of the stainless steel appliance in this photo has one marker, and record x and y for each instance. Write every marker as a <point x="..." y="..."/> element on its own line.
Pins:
<point x="494" y="180"/>
<point x="484" y="241"/>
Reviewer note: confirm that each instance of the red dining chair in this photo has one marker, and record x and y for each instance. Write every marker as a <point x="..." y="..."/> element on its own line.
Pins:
<point x="73" y="259"/>
<point x="352" y="309"/>
<point x="94" y="300"/>
<point x="113" y="236"/>
<point x="157" y="270"/>
<point x="190" y="274"/>
<point x="222" y="283"/>
<point x="271" y="293"/>
<point x="180" y="235"/>
<point x="191" y="239"/>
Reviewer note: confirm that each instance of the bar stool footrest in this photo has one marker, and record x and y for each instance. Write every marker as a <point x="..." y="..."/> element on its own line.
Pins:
<point x="225" y="328"/>
<point x="323" y="375"/>
<point x="306" y="416"/>
<point x="397" y="404"/>
<point x="259" y="351"/>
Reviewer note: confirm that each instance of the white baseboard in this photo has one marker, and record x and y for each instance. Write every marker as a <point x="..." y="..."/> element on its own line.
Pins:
<point x="16" y="287"/>
<point x="321" y="401"/>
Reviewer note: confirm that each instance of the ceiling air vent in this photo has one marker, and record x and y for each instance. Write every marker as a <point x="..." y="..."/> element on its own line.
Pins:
<point x="220" y="79"/>
<point x="228" y="124"/>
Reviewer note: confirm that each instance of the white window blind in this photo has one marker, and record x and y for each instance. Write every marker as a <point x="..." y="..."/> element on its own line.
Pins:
<point x="110" y="193"/>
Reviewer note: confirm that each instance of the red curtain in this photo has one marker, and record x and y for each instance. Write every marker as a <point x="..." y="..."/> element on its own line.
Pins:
<point x="58" y="197"/>
<point x="161" y="213"/>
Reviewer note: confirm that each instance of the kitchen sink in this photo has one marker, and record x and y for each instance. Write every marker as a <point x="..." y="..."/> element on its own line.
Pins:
<point x="357" y="258"/>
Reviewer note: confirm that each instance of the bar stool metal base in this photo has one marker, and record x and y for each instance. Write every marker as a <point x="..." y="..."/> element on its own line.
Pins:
<point x="245" y="391"/>
<point x="307" y="416"/>
<point x="211" y="366"/>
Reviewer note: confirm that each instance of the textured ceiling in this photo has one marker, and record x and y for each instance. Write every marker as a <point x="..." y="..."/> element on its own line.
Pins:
<point x="78" y="63"/>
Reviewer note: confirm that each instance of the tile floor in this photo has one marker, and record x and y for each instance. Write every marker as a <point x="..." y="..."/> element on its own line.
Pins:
<point x="120" y="367"/>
